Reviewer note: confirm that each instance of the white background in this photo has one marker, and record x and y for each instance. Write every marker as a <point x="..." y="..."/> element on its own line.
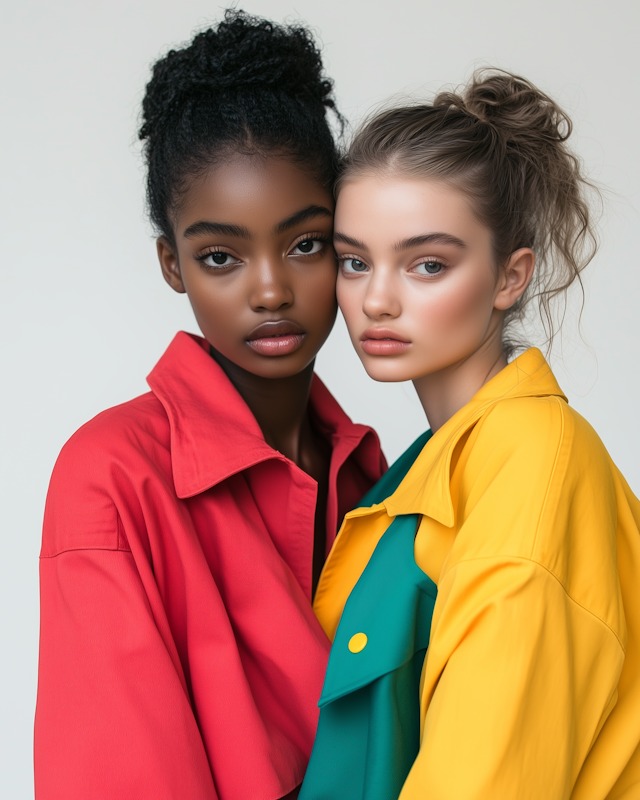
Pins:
<point x="85" y="312"/>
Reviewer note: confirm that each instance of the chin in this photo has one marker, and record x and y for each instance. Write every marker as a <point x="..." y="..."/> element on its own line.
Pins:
<point x="280" y="367"/>
<point x="385" y="371"/>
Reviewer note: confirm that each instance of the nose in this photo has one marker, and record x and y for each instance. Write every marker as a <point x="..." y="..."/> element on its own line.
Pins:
<point x="381" y="300"/>
<point x="272" y="287"/>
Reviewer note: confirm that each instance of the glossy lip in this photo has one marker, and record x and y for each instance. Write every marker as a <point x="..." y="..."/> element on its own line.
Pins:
<point x="383" y="342"/>
<point x="278" y="337"/>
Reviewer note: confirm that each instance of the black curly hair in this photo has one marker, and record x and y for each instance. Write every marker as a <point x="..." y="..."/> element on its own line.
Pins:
<point x="246" y="85"/>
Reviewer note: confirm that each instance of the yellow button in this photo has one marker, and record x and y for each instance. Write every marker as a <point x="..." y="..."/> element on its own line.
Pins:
<point x="358" y="642"/>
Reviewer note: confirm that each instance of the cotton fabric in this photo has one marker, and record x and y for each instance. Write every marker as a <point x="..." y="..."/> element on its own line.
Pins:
<point x="180" y="657"/>
<point x="369" y="728"/>
<point x="531" y="684"/>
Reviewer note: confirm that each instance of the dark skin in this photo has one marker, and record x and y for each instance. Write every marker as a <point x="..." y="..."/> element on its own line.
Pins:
<point x="253" y="246"/>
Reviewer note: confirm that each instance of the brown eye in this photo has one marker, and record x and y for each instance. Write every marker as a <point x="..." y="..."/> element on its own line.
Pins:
<point x="217" y="260"/>
<point x="307" y="247"/>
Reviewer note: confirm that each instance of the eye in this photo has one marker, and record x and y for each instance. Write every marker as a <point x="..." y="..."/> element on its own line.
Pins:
<point x="352" y="266"/>
<point x="217" y="260"/>
<point x="429" y="268"/>
<point x="307" y="247"/>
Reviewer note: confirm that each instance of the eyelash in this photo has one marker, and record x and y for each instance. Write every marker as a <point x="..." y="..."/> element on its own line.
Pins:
<point x="203" y="256"/>
<point x="343" y="259"/>
<point x="307" y="237"/>
<point x="431" y="261"/>
<point x="310" y="237"/>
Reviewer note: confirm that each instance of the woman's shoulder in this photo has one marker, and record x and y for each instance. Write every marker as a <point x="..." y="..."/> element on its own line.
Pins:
<point x="122" y="431"/>
<point x="535" y="485"/>
<point x="538" y="470"/>
<point x="97" y="473"/>
<point x="539" y="434"/>
<point x="555" y="485"/>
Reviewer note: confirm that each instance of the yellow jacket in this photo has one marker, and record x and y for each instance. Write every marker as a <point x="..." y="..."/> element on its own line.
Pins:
<point x="531" y="683"/>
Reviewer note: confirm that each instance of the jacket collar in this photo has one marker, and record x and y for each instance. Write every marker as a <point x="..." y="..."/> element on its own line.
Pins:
<point x="213" y="433"/>
<point x="426" y="487"/>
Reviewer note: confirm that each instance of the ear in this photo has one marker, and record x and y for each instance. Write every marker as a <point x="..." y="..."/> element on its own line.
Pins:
<point x="515" y="278"/>
<point x="169" y="265"/>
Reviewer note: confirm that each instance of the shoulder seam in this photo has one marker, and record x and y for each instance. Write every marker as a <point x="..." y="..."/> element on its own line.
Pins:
<point x="548" y="571"/>
<point x="122" y="544"/>
<point x="80" y="549"/>
<point x="551" y="477"/>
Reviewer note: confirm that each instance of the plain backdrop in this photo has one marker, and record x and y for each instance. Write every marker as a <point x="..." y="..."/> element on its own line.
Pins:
<point x="86" y="314"/>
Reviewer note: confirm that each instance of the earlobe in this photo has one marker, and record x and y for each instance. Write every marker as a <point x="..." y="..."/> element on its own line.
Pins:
<point x="517" y="276"/>
<point x="169" y="264"/>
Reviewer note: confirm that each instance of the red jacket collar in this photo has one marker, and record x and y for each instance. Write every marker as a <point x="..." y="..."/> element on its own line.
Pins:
<point x="213" y="433"/>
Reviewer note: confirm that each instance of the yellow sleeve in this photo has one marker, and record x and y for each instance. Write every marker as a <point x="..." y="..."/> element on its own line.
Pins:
<point x="528" y="634"/>
<point x="518" y="680"/>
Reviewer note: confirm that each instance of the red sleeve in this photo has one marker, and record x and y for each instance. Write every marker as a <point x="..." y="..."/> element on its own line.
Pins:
<point x="112" y="717"/>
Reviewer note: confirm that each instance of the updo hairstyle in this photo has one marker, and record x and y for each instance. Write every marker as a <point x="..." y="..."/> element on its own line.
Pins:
<point x="246" y="85"/>
<point x="502" y="142"/>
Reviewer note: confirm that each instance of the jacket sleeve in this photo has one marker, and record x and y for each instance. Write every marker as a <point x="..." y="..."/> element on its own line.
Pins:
<point x="113" y="718"/>
<point x="518" y="681"/>
<point x="523" y="665"/>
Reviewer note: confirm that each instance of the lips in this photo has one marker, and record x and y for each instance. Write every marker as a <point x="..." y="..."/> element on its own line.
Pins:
<point x="276" y="338"/>
<point x="383" y="342"/>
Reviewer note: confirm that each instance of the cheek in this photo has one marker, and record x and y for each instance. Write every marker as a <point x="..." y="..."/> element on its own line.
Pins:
<point x="461" y="306"/>
<point x="219" y="306"/>
<point x="349" y="298"/>
<point x="322" y="284"/>
<point x="211" y="300"/>
<point x="315" y="294"/>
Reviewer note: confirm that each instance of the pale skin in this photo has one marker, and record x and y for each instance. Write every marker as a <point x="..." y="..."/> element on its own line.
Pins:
<point x="420" y="289"/>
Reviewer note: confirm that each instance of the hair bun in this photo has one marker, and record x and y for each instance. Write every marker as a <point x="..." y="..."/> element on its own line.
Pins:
<point x="241" y="54"/>
<point x="513" y="106"/>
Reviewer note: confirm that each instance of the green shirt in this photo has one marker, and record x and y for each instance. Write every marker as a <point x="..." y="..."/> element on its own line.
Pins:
<point x="369" y="729"/>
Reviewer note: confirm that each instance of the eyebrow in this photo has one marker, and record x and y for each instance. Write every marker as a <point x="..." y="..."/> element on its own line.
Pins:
<point x="342" y="237"/>
<point x="225" y="229"/>
<point x="219" y="228"/>
<point x="404" y="244"/>
<point x="301" y="216"/>
<point x="429" y="238"/>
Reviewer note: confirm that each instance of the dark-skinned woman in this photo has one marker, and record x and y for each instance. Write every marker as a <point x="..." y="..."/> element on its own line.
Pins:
<point x="185" y="530"/>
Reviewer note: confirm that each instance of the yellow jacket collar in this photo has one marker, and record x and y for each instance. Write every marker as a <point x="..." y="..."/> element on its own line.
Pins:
<point x="426" y="487"/>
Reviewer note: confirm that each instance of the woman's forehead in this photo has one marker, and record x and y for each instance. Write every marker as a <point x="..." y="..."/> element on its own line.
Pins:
<point x="253" y="191"/>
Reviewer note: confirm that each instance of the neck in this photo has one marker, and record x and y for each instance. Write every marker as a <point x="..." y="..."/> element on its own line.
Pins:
<point x="445" y="392"/>
<point x="278" y="404"/>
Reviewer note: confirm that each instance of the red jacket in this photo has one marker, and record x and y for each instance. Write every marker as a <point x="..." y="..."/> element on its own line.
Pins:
<point x="179" y="654"/>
